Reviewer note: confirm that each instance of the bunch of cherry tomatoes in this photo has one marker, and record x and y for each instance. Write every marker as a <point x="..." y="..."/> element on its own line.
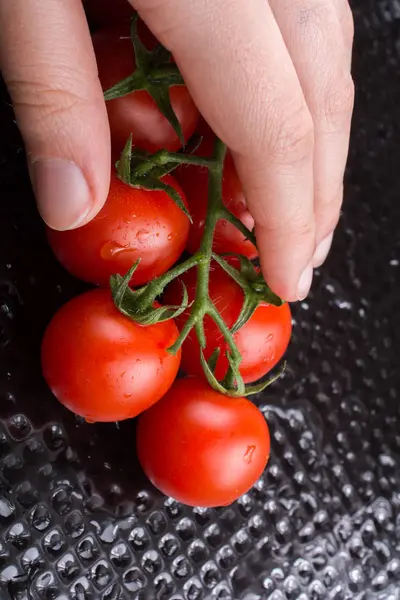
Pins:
<point x="196" y="444"/>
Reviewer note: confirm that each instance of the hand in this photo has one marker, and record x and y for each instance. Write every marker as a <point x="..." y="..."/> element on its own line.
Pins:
<point x="272" y="79"/>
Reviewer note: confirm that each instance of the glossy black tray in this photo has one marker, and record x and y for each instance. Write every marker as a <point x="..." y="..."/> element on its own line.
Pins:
<point x="78" y="518"/>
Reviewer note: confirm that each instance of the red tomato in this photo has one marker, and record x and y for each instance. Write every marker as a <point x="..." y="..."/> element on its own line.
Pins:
<point x="108" y="12"/>
<point x="200" y="447"/>
<point x="227" y="237"/>
<point x="103" y="366"/>
<point x="137" y="113"/>
<point x="262" y="341"/>
<point x="133" y="224"/>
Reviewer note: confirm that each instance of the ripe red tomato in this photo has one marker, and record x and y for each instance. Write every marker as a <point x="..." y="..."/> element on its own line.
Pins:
<point x="133" y="224"/>
<point x="262" y="341"/>
<point x="137" y="113"/>
<point x="227" y="237"/>
<point x="108" y="12"/>
<point x="103" y="366"/>
<point x="200" y="447"/>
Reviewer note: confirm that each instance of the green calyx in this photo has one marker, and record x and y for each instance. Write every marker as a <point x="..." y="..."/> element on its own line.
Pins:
<point x="140" y="169"/>
<point x="154" y="74"/>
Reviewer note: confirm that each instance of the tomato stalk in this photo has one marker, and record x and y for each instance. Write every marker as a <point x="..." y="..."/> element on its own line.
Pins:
<point x="155" y="73"/>
<point x="143" y="170"/>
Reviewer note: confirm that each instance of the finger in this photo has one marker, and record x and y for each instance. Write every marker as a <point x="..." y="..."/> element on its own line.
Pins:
<point x="346" y="21"/>
<point x="313" y="35"/>
<point x="236" y="65"/>
<point x="49" y="67"/>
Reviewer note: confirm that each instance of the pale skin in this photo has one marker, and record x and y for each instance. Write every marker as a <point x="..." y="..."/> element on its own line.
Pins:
<point x="271" y="78"/>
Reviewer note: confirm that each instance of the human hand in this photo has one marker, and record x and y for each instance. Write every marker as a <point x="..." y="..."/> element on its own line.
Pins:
<point x="272" y="79"/>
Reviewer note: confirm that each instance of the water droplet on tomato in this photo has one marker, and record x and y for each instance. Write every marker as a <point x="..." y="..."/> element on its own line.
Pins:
<point x="248" y="455"/>
<point x="127" y="395"/>
<point x="169" y="237"/>
<point x="111" y="249"/>
<point x="270" y="337"/>
<point x="142" y="234"/>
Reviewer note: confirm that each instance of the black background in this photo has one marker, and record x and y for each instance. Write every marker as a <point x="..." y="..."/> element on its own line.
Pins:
<point x="78" y="518"/>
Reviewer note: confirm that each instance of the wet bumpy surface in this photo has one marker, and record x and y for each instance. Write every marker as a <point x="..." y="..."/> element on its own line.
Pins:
<point x="77" y="517"/>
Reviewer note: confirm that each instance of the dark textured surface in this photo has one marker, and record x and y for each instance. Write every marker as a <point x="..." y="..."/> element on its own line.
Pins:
<point x="77" y="517"/>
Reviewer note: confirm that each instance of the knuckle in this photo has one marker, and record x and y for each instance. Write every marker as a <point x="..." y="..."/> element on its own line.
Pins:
<point x="292" y="137"/>
<point x="46" y="100"/>
<point x="338" y="103"/>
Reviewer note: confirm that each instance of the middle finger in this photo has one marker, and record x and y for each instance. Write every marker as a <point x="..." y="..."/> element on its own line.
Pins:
<point x="314" y="38"/>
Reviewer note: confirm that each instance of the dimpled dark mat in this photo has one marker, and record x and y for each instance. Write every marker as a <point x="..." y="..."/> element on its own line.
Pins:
<point x="78" y="519"/>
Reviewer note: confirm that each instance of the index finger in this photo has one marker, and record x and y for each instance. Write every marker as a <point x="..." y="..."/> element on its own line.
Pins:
<point x="236" y="65"/>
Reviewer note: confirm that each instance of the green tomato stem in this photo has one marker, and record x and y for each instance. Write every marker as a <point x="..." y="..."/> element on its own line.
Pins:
<point x="163" y="158"/>
<point x="157" y="286"/>
<point x="228" y="216"/>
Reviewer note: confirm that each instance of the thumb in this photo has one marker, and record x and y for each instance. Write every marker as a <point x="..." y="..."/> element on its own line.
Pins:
<point x="59" y="106"/>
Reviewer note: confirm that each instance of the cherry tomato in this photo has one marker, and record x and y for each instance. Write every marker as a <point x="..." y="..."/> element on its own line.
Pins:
<point x="200" y="447"/>
<point x="137" y="113"/>
<point x="262" y="341"/>
<point x="133" y="224"/>
<point x="105" y="12"/>
<point x="194" y="181"/>
<point x="103" y="366"/>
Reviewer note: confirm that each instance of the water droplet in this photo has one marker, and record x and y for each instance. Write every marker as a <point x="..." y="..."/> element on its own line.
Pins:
<point x="157" y="523"/>
<point x="270" y="337"/>
<point x="138" y="539"/>
<point x="54" y="542"/>
<point x="7" y="509"/>
<point x="87" y="550"/>
<point x="127" y="395"/>
<point x="193" y="589"/>
<point x="31" y="559"/>
<point x="40" y="518"/>
<point x="20" y="427"/>
<point x="74" y="524"/>
<point x="142" y="235"/>
<point x="54" y="437"/>
<point x="169" y="237"/>
<point x="248" y="456"/>
<point x="67" y="567"/>
<point x="133" y="580"/>
<point x="180" y="567"/>
<point x="101" y="575"/>
<point x="19" y="536"/>
<point x="111" y="249"/>
<point x="151" y="562"/>
<point x="62" y="501"/>
<point x="120" y="555"/>
<point x="186" y="529"/>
